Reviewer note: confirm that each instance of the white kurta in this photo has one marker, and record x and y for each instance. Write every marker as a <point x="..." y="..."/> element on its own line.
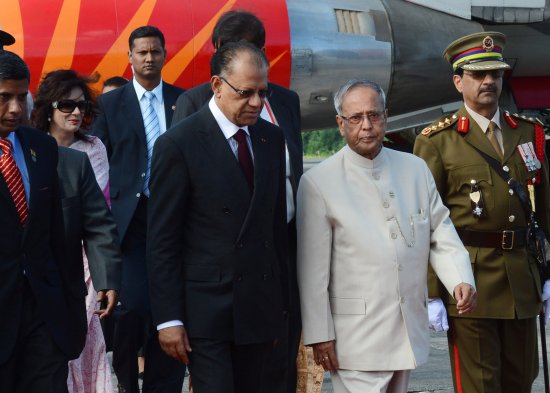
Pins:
<point x="366" y="231"/>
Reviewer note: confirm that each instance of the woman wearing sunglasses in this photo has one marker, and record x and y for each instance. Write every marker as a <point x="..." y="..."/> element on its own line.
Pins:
<point x="64" y="107"/>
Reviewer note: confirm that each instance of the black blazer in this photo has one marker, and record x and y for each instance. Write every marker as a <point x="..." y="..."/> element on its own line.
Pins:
<point x="119" y="125"/>
<point x="286" y="107"/>
<point x="35" y="253"/>
<point x="88" y="219"/>
<point x="217" y="254"/>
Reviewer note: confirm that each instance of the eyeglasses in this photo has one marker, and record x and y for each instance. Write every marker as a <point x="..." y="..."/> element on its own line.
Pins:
<point x="374" y="118"/>
<point x="246" y="94"/>
<point x="68" y="106"/>
<point x="480" y="75"/>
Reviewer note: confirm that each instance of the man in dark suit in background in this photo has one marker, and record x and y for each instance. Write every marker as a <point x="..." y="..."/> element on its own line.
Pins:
<point x="217" y="244"/>
<point x="281" y="108"/>
<point x="42" y="293"/>
<point x="130" y="120"/>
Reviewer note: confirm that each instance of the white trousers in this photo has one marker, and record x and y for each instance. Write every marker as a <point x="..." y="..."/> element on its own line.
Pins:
<point x="350" y="381"/>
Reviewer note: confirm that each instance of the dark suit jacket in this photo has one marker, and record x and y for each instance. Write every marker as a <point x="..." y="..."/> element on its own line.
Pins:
<point x="35" y="253"/>
<point x="88" y="218"/>
<point x="286" y="107"/>
<point x="216" y="253"/>
<point x="120" y="127"/>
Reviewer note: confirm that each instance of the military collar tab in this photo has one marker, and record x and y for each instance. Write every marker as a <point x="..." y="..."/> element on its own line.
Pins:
<point x="441" y="124"/>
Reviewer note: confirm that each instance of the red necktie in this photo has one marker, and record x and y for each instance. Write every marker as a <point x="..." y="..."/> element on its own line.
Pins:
<point x="245" y="159"/>
<point x="13" y="179"/>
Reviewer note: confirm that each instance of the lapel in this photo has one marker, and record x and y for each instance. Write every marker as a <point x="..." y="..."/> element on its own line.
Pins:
<point x="510" y="137"/>
<point x="222" y="156"/>
<point x="131" y="109"/>
<point x="260" y="147"/>
<point x="169" y="95"/>
<point x="32" y="170"/>
<point x="476" y="137"/>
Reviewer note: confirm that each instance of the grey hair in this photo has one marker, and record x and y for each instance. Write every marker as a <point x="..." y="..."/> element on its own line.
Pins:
<point x="352" y="84"/>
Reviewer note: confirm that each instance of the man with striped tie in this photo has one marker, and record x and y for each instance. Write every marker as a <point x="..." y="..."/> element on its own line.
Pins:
<point x="131" y="119"/>
<point x="41" y="294"/>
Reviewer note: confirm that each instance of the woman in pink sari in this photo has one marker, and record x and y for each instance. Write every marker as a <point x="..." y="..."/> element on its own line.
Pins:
<point x="64" y="107"/>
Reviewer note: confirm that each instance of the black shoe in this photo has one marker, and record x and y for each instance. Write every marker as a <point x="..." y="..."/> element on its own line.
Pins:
<point x="140" y="375"/>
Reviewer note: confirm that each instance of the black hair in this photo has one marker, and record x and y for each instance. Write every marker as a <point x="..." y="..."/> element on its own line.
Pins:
<point x="146" y="31"/>
<point x="236" y="26"/>
<point x="116" y="81"/>
<point x="223" y="58"/>
<point x="12" y="67"/>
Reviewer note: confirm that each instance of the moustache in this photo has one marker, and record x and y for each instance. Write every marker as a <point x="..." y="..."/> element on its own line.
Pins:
<point x="490" y="89"/>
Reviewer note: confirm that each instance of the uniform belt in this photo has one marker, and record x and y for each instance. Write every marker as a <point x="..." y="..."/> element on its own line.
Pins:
<point x="506" y="240"/>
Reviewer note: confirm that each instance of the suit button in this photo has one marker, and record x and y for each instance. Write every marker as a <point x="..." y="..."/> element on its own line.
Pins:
<point x="386" y="205"/>
<point x="511" y="192"/>
<point x="265" y="276"/>
<point x="394" y="235"/>
<point x="401" y="300"/>
<point x="266" y="244"/>
<point x="505" y="168"/>
<point x="143" y="175"/>
<point x="511" y="218"/>
<point x="239" y="278"/>
<point x="226" y="210"/>
<point x="138" y="195"/>
<point x="240" y="245"/>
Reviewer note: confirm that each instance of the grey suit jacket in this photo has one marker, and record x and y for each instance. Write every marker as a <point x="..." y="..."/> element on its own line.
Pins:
<point x="88" y="219"/>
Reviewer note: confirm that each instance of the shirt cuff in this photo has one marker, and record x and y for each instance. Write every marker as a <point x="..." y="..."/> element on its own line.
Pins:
<point x="168" y="324"/>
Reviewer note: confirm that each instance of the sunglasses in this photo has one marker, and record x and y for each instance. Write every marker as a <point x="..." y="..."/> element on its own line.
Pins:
<point x="248" y="93"/>
<point x="68" y="106"/>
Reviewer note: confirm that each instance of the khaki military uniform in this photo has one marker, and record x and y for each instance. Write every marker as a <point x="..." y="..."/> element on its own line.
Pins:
<point x="507" y="280"/>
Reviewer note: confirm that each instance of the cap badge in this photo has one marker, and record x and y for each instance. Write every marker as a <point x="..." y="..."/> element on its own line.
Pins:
<point x="488" y="44"/>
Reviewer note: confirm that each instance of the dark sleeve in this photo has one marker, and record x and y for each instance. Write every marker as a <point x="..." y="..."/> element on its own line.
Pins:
<point x="185" y="106"/>
<point x="169" y="186"/>
<point x="100" y="127"/>
<point x="99" y="232"/>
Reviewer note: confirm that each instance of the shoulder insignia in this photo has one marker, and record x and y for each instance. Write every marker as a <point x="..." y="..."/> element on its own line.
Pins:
<point x="532" y="120"/>
<point x="440" y="124"/>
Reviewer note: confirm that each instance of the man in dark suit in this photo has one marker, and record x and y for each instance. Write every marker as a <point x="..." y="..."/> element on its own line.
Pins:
<point x="281" y="108"/>
<point x="217" y="244"/>
<point x="41" y="292"/>
<point x="130" y="120"/>
<point x="88" y="221"/>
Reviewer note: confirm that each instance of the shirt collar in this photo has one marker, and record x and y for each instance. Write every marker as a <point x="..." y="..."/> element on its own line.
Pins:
<point x="140" y="90"/>
<point x="482" y="121"/>
<point x="228" y="128"/>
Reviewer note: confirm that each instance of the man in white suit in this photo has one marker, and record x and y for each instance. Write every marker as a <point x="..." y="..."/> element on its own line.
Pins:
<point x="369" y="221"/>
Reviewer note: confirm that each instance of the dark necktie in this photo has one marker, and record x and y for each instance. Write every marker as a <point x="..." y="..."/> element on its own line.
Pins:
<point x="493" y="138"/>
<point x="13" y="179"/>
<point x="245" y="159"/>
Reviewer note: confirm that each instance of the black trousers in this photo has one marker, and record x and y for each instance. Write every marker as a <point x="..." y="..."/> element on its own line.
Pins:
<point x="218" y="366"/>
<point x="162" y="373"/>
<point x="281" y="373"/>
<point x="37" y="365"/>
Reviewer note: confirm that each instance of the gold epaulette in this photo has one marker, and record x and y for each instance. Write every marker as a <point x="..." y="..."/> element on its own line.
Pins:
<point x="440" y="124"/>
<point x="532" y="120"/>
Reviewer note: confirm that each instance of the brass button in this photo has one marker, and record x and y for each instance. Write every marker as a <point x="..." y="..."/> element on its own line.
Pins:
<point x="511" y="218"/>
<point x="511" y="192"/>
<point x="138" y="195"/>
<point x="505" y="168"/>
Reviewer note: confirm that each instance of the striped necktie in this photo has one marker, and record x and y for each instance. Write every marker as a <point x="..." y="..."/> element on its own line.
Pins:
<point x="152" y="132"/>
<point x="491" y="135"/>
<point x="13" y="179"/>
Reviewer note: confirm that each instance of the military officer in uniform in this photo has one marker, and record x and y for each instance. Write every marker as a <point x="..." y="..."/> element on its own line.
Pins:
<point x="494" y="348"/>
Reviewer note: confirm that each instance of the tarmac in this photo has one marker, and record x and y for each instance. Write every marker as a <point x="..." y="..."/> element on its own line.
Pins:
<point x="432" y="377"/>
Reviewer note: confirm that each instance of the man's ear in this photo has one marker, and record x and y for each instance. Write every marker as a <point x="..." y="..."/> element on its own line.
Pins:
<point x="340" y="123"/>
<point x="215" y="84"/>
<point x="457" y="80"/>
